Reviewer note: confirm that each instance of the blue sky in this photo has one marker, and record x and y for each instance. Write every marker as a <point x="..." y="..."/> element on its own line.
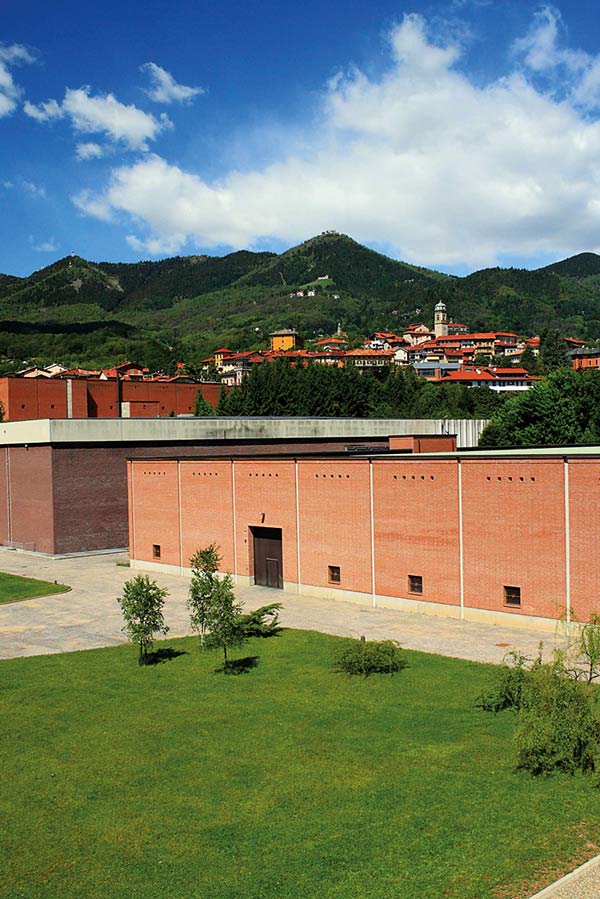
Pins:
<point x="455" y="135"/>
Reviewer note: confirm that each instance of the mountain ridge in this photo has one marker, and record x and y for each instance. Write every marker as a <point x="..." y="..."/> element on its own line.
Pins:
<point x="187" y="305"/>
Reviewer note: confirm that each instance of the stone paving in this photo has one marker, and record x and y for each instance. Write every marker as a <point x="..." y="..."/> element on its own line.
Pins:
<point x="583" y="883"/>
<point x="88" y="617"/>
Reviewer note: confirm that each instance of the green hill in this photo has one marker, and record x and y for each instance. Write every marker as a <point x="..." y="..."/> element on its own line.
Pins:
<point x="581" y="266"/>
<point x="88" y="313"/>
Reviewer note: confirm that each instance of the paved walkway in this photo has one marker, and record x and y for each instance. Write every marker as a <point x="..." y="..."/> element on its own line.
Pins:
<point x="89" y="616"/>
<point x="582" y="883"/>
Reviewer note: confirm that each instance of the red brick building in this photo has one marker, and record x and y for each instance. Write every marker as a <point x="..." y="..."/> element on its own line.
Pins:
<point x="477" y="534"/>
<point x="63" y="483"/>
<point x="25" y="399"/>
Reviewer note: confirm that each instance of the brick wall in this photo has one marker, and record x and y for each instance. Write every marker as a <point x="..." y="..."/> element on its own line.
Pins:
<point x="514" y="526"/>
<point x="265" y="496"/>
<point x="102" y="399"/>
<point x="416" y="528"/>
<point x="25" y="399"/>
<point x="207" y="509"/>
<point x="88" y="486"/>
<point x="584" y="521"/>
<point x="155" y="519"/>
<point x="89" y="498"/>
<point x="514" y="534"/>
<point x="29" y="475"/>
<point x="335" y="523"/>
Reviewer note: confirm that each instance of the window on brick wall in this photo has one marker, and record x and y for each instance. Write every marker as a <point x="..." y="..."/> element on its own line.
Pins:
<point x="512" y="596"/>
<point x="156" y="550"/>
<point x="334" y="574"/>
<point x="415" y="583"/>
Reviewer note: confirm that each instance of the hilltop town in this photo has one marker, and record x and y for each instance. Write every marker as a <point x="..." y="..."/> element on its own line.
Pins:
<point x="93" y="315"/>
<point x="447" y="353"/>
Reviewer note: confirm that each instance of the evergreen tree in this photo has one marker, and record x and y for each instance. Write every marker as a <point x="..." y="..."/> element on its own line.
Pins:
<point x="223" y="404"/>
<point x="202" y="408"/>
<point x="553" y="350"/>
<point x="530" y="361"/>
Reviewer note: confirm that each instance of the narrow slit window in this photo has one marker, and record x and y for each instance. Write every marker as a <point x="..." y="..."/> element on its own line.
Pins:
<point x="156" y="550"/>
<point x="512" y="596"/>
<point x="334" y="574"/>
<point x="415" y="583"/>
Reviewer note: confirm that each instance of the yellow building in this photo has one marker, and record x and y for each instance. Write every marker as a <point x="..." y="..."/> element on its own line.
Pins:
<point x="286" y="339"/>
<point x="220" y="355"/>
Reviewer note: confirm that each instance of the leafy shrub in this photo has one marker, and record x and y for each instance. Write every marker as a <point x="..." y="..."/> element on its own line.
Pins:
<point x="556" y="727"/>
<point x="585" y="654"/>
<point x="508" y="691"/>
<point x="365" y="657"/>
<point x="262" y="622"/>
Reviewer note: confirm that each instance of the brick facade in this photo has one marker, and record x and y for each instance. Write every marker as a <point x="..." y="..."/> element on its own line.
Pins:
<point x="479" y="535"/>
<point x="69" y="498"/>
<point x="25" y="399"/>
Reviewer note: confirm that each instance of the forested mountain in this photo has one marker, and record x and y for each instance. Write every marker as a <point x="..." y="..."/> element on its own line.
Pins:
<point x="88" y="314"/>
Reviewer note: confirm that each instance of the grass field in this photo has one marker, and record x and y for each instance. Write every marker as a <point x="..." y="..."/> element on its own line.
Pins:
<point x="287" y="782"/>
<point x="13" y="588"/>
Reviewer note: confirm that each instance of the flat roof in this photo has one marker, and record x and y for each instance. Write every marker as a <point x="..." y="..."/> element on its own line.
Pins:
<point x="198" y="430"/>
<point x="535" y="452"/>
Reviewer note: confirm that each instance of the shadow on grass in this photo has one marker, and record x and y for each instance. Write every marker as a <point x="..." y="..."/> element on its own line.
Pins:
<point x="238" y="666"/>
<point x="158" y="656"/>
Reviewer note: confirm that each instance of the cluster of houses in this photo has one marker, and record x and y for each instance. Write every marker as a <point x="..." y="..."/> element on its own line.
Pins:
<point x="127" y="371"/>
<point x="449" y="353"/>
<point x="126" y="391"/>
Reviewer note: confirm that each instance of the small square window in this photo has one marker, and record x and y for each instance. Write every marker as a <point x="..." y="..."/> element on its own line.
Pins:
<point x="334" y="574"/>
<point x="415" y="583"/>
<point x="512" y="596"/>
<point x="156" y="550"/>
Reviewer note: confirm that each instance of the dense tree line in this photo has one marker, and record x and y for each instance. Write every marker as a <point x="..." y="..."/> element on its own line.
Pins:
<point x="563" y="409"/>
<point x="277" y="388"/>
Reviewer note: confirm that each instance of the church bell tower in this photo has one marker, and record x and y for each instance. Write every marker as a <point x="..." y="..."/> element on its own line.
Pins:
<point x="440" y="322"/>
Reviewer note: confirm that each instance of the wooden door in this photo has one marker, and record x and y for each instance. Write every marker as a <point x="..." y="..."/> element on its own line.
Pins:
<point x="268" y="557"/>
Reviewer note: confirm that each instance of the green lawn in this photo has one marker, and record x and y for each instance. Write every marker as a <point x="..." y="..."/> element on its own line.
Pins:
<point x="13" y="588"/>
<point x="287" y="782"/>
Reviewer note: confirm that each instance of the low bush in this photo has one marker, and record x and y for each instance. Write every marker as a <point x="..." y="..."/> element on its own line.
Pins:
<point x="365" y="657"/>
<point x="557" y="729"/>
<point x="262" y="622"/>
<point x="508" y="691"/>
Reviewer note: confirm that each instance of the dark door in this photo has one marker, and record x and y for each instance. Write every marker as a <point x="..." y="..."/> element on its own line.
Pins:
<point x="268" y="557"/>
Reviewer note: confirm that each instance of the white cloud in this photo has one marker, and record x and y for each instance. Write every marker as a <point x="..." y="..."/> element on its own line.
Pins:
<point x="164" y="87"/>
<point x="46" y="246"/>
<point x="34" y="190"/>
<point x="423" y="159"/>
<point x="10" y="92"/>
<point x="413" y="49"/>
<point x="576" y="73"/>
<point x="102" y="114"/>
<point x="89" y="150"/>
<point x="93" y="205"/>
<point x="43" y="112"/>
<point x="157" y="246"/>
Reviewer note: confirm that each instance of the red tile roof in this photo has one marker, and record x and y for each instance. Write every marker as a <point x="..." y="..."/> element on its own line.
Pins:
<point x="376" y="353"/>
